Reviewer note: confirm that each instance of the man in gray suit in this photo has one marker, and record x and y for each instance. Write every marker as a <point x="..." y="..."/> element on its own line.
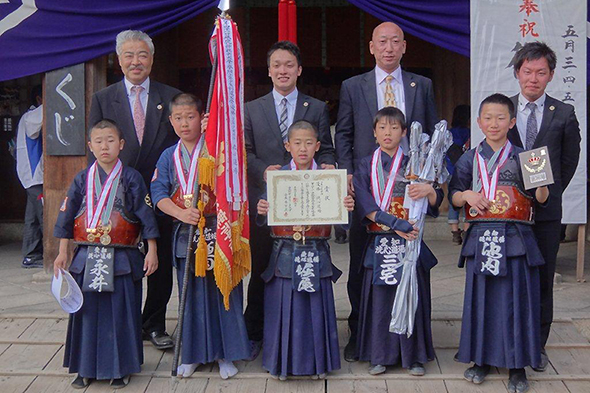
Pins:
<point x="541" y="120"/>
<point x="139" y="106"/>
<point x="265" y="126"/>
<point x="360" y="99"/>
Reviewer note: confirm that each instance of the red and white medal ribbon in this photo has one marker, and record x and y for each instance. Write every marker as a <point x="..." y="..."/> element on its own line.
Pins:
<point x="314" y="165"/>
<point x="93" y="212"/>
<point x="488" y="184"/>
<point x="382" y="193"/>
<point x="187" y="185"/>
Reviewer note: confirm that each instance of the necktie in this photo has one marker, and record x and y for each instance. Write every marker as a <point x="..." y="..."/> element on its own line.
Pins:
<point x="531" y="126"/>
<point x="138" y="113"/>
<point x="389" y="95"/>
<point x="283" y="119"/>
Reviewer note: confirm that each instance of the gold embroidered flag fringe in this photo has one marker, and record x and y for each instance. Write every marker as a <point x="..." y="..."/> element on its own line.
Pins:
<point x="221" y="271"/>
<point x="241" y="250"/>
<point x="207" y="172"/>
<point x="226" y="277"/>
<point x="201" y="253"/>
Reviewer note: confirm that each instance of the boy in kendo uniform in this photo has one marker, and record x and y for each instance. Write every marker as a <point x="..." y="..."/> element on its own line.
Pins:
<point x="300" y="330"/>
<point x="380" y="187"/>
<point x="210" y="332"/>
<point x="105" y="211"/>
<point x="501" y="310"/>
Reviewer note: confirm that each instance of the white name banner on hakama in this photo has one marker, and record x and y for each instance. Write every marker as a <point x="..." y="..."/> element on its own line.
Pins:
<point x="498" y="29"/>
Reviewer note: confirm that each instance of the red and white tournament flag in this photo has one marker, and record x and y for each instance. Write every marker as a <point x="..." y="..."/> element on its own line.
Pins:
<point x="224" y="141"/>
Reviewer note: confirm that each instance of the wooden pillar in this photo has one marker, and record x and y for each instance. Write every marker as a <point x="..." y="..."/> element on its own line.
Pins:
<point x="59" y="171"/>
<point x="581" y="251"/>
<point x="452" y="82"/>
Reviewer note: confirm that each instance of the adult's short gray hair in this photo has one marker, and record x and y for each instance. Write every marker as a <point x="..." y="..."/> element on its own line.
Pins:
<point x="133" y="35"/>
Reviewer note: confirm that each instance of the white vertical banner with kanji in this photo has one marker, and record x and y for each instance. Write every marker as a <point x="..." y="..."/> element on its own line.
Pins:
<point x="498" y="29"/>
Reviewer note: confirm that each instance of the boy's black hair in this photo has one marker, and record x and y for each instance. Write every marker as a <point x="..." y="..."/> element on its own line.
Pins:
<point x="106" y="123"/>
<point x="393" y="115"/>
<point x="186" y="99"/>
<point x="501" y="99"/>
<point x="303" y="125"/>
<point x="461" y="116"/>
<point x="284" y="45"/>
<point x="534" y="51"/>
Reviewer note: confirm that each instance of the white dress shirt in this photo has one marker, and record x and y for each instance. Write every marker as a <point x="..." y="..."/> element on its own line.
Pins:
<point x="397" y="84"/>
<point x="143" y="96"/>
<point x="522" y="115"/>
<point x="29" y="127"/>
<point x="291" y="105"/>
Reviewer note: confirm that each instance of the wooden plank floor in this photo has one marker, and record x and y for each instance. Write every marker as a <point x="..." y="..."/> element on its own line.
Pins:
<point x="31" y="356"/>
<point x="32" y="333"/>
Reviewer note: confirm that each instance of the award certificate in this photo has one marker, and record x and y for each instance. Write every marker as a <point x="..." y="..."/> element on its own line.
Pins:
<point x="313" y="197"/>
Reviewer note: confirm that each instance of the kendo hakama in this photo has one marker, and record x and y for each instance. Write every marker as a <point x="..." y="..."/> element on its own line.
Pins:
<point x="104" y="337"/>
<point x="210" y="332"/>
<point x="375" y="343"/>
<point x="300" y="330"/>
<point x="501" y="313"/>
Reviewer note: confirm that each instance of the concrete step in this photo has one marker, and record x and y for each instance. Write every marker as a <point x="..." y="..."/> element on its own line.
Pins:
<point x="437" y="229"/>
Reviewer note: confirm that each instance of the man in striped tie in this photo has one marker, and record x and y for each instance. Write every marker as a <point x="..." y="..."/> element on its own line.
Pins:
<point x="266" y="122"/>
<point x="542" y="120"/>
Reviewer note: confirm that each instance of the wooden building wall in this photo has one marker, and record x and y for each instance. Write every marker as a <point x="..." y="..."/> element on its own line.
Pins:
<point x="182" y="57"/>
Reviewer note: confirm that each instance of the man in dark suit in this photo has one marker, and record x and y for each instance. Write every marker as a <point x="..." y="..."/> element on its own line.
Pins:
<point x="139" y="106"/>
<point x="266" y="122"/>
<point x="544" y="121"/>
<point x="360" y="99"/>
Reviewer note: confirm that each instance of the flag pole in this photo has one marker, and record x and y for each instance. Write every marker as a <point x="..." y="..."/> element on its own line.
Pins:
<point x="189" y="247"/>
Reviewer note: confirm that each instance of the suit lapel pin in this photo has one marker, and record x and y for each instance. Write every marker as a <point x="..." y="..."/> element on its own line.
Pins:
<point x="551" y="108"/>
<point x="159" y="107"/>
<point x="413" y="84"/>
<point x="305" y="103"/>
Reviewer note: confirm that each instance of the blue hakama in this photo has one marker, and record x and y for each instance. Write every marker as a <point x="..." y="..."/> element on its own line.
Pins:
<point x="375" y="343"/>
<point x="104" y="336"/>
<point x="103" y="339"/>
<point x="501" y="314"/>
<point x="300" y="330"/>
<point x="209" y="332"/>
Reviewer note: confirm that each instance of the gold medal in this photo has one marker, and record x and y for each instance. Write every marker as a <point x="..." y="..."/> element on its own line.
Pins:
<point x="188" y="200"/>
<point x="297" y="236"/>
<point x="105" y="240"/>
<point x="91" y="234"/>
<point x="107" y="228"/>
